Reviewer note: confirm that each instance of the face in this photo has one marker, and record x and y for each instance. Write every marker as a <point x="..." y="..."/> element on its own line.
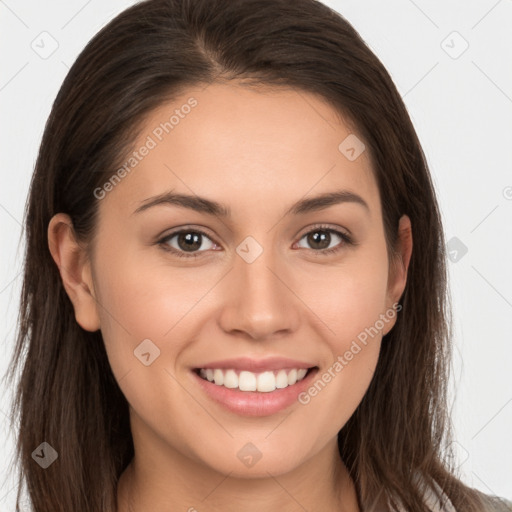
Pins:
<point x="247" y="279"/>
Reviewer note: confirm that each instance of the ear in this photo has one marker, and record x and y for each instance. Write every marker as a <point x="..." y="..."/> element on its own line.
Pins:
<point x="398" y="267"/>
<point x="75" y="271"/>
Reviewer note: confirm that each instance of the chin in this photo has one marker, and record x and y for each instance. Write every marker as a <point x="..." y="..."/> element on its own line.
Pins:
<point x="259" y="466"/>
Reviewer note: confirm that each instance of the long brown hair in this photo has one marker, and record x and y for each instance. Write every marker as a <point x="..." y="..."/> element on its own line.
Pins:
<point x="67" y="395"/>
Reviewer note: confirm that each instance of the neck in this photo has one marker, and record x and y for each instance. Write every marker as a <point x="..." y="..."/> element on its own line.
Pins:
<point x="159" y="481"/>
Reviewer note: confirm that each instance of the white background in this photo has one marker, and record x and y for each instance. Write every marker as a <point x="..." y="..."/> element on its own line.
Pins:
<point x="462" y="110"/>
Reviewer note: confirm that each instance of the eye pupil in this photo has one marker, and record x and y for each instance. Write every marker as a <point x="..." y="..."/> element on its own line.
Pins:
<point x="319" y="237"/>
<point x="189" y="241"/>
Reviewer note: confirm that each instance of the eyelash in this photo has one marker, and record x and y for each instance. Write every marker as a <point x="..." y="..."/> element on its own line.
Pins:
<point x="346" y="240"/>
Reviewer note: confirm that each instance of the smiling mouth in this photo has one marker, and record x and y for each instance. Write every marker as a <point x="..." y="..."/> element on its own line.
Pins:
<point x="263" y="382"/>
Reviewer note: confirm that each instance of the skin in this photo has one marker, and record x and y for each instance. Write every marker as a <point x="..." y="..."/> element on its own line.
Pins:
<point x="256" y="152"/>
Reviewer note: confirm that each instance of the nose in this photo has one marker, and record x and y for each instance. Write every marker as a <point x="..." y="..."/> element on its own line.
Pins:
<point x="259" y="299"/>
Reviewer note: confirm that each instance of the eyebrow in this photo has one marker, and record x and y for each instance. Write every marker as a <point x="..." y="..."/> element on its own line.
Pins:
<point x="203" y="205"/>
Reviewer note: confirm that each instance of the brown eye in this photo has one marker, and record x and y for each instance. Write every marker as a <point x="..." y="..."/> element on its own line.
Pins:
<point x="321" y="238"/>
<point x="186" y="241"/>
<point x="189" y="241"/>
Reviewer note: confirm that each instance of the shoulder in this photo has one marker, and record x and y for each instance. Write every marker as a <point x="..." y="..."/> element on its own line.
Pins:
<point x="499" y="505"/>
<point x="437" y="501"/>
<point x="433" y="496"/>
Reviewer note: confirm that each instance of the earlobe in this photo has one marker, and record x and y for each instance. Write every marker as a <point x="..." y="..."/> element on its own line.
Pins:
<point x="74" y="267"/>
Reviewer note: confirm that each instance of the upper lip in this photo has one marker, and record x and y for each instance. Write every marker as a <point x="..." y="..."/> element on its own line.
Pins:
<point x="258" y="365"/>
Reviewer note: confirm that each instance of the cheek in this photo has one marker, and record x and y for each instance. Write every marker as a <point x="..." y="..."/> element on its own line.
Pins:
<point x="144" y="295"/>
<point x="349" y="298"/>
<point x="138" y="299"/>
<point x="350" y="301"/>
<point x="340" y="385"/>
<point x="141" y="301"/>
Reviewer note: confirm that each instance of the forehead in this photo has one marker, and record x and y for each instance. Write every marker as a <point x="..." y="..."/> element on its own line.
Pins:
<point x="242" y="146"/>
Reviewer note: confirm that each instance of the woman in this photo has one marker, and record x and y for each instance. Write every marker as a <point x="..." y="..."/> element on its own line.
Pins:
<point x="235" y="287"/>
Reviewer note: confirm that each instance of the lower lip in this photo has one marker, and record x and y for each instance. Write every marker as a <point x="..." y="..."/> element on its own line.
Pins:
<point x="254" y="403"/>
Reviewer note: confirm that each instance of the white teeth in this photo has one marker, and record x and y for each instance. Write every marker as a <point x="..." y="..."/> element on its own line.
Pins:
<point x="264" y="382"/>
<point x="281" y="379"/>
<point x="247" y="381"/>
<point x="231" y="379"/>
<point x="292" y="377"/>
<point x="218" y="377"/>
